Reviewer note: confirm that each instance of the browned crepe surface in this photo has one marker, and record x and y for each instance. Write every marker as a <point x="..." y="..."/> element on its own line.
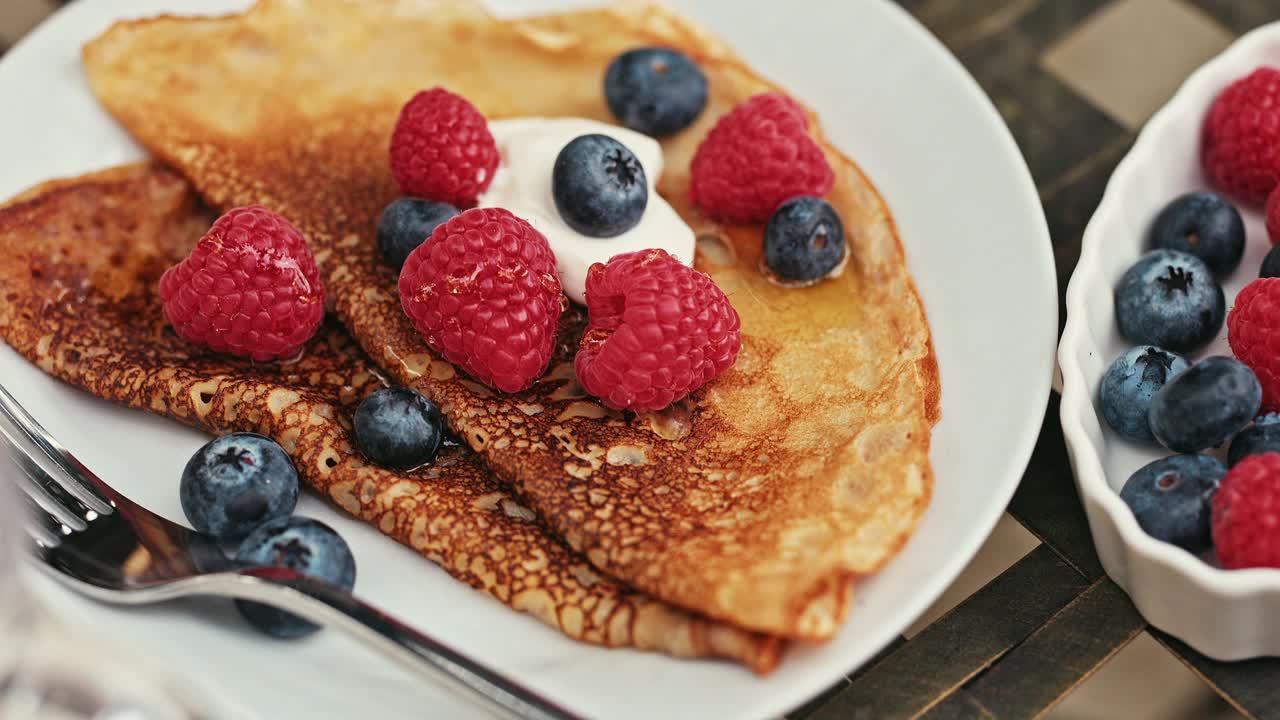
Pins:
<point x="80" y="263"/>
<point x="757" y="501"/>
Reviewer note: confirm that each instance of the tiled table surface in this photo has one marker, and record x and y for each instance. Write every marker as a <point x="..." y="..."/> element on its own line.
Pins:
<point x="1033" y="626"/>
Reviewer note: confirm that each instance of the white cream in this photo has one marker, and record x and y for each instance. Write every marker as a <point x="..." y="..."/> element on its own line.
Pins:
<point x="522" y="184"/>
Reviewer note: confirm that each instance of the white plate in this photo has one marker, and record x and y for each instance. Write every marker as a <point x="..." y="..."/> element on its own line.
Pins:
<point x="889" y="94"/>
<point x="1229" y="615"/>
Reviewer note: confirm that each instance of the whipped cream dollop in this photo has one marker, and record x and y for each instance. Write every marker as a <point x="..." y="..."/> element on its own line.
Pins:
<point x="522" y="184"/>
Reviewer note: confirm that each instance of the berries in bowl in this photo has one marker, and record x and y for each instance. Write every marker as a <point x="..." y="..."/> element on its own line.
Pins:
<point x="1167" y="390"/>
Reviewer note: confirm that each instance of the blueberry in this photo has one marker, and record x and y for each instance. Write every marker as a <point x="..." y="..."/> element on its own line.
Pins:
<point x="1271" y="263"/>
<point x="804" y="240"/>
<point x="398" y="429"/>
<point x="1204" y="225"/>
<point x="1170" y="299"/>
<point x="1129" y="385"/>
<point x="236" y="483"/>
<point x="1263" y="436"/>
<point x="599" y="186"/>
<point x="1170" y="499"/>
<point x="306" y="546"/>
<point x="655" y="91"/>
<point x="1203" y="406"/>
<point x="406" y="223"/>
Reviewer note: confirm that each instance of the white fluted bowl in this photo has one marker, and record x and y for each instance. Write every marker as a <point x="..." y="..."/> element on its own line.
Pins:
<point x="1228" y="615"/>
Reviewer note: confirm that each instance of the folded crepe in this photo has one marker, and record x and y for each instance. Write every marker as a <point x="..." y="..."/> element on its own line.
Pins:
<point x="758" y="499"/>
<point x="80" y="264"/>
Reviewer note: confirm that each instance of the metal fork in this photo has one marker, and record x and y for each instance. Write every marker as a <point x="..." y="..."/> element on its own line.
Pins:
<point x="101" y="544"/>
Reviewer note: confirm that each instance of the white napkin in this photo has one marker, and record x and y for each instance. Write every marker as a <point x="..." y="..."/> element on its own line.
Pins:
<point x="55" y="672"/>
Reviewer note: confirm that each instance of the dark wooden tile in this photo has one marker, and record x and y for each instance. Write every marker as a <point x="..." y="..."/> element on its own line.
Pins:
<point x="960" y="706"/>
<point x="1069" y="201"/>
<point x="804" y="711"/>
<point x="1252" y="686"/>
<point x="1055" y="128"/>
<point x="892" y="647"/>
<point x="962" y="23"/>
<point x="1051" y="19"/>
<point x="1046" y="502"/>
<point x="959" y="23"/>
<point x="1001" y="42"/>
<point x="961" y="644"/>
<point x="1053" y="661"/>
<point x="1241" y="16"/>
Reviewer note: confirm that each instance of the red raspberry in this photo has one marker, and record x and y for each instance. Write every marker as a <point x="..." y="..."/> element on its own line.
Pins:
<point x="1273" y="216"/>
<point x="1246" y="514"/>
<point x="1241" y="150"/>
<point x="250" y="288"/>
<point x="1253" y="329"/>
<point x="441" y="149"/>
<point x="483" y="292"/>
<point x="757" y="157"/>
<point x="658" y="331"/>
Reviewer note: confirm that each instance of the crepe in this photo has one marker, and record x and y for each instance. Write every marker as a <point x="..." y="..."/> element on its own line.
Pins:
<point x="79" y="266"/>
<point x="758" y="499"/>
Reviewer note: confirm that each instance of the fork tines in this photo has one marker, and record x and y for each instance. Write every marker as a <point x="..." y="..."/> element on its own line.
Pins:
<point x="41" y="525"/>
<point x="62" y="494"/>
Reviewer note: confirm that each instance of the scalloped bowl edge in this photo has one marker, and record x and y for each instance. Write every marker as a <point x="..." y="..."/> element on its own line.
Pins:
<point x="1226" y="615"/>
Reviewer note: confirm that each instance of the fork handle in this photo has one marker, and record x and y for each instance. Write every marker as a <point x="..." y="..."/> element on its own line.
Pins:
<point x="327" y="605"/>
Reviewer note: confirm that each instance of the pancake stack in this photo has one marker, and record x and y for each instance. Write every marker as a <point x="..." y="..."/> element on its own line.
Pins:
<point x="83" y="259"/>
<point x="752" y="506"/>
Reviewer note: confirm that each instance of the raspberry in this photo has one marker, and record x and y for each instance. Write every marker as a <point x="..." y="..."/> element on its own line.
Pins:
<point x="483" y="292"/>
<point x="441" y="149"/>
<point x="250" y="288"/>
<point x="1241" y="149"/>
<point x="757" y="157"/>
<point x="658" y="331"/>
<point x="1253" y="329"/>
<point x="1273" y="216"/>
<point x="1246" y="514"/>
